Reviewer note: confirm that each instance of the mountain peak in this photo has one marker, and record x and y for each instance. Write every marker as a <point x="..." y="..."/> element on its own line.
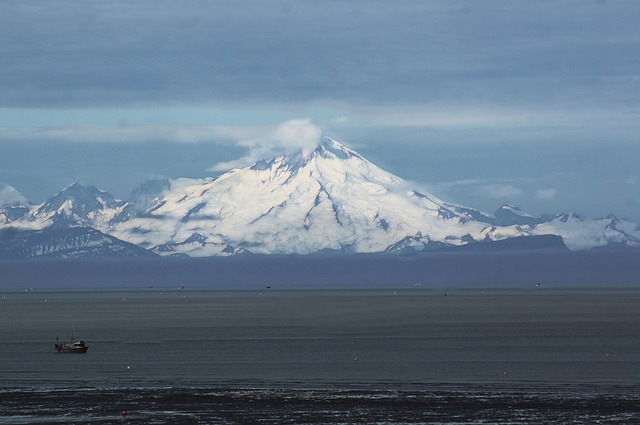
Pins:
<point x="332" y="147"/>
<point x="76" y="188"/>
<point x="83" y="193"/>
<point x="327" y="148"/>
<point x="509" y="215"/>
<point x="77" y="204"/>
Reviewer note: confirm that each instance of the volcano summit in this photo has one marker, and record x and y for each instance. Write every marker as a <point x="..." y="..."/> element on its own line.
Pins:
<point x="331" y="199"/>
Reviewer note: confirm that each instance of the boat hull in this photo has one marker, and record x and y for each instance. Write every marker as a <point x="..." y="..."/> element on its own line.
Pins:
<point x="77" y="347"/>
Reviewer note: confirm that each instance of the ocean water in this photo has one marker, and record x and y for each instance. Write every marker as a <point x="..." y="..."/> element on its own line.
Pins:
<point x="164" y="355"/>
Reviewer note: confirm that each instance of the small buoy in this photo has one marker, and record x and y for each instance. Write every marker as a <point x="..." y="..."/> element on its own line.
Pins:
<point x="355" y="359"/>
<point x="123" y="413"/>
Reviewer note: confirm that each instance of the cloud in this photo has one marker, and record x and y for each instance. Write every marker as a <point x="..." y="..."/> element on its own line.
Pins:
<point x="194" y="52"/>
<point x="483" y="188"/>
<point x="448" y="186"/>
<point x="498" y="191"/>
<point x="127" y="134"/>
<point x="299" y="134"/>
<point x="340" y="120"/>
<point x="546" y="194"/>
<point x="288" y="137"/>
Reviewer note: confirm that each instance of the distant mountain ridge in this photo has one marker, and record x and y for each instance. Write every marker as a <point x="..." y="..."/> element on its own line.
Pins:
<point x="329" y="200"/>
<point x="59" y="242"/>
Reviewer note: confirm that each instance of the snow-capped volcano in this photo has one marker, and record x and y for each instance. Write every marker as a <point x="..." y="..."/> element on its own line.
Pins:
<point x="330" y="199"/>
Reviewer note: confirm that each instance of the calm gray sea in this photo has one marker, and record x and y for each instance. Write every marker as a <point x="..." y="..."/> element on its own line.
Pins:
<point x="165" y="355"/>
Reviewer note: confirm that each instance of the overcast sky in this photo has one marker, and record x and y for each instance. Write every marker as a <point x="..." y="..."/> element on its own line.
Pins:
<point x="532" y="103"/>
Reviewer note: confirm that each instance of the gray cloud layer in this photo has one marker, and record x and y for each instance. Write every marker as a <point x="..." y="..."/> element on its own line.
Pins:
<point x="74" y="53"/>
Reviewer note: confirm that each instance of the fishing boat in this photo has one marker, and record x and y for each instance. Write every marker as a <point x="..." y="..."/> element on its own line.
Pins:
<point x="73" y="346"/>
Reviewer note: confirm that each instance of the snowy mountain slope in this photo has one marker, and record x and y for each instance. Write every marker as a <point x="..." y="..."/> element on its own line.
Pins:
<point x="331" y="199"/>
<point x="13" y="213"/>
<point x="579" y="233"/>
